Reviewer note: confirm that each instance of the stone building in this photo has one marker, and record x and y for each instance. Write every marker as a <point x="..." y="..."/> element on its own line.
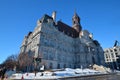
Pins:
<point x="112" y="57"/>
<point x="59" y="45"/>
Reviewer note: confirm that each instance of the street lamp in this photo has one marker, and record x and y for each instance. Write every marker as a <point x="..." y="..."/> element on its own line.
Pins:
<point x="36" y="60"/>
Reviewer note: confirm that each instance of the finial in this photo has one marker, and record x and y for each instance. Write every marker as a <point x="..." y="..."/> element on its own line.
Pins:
<point x="54" y="15"/>
<point x="75" y="11"/>
<point x="91" y="35"/>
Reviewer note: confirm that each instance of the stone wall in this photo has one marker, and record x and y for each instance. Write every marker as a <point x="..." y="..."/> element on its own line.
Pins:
<point x="56" y="47"/>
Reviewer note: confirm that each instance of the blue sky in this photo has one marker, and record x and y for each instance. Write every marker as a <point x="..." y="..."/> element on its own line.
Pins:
<point x="18" y="17"/>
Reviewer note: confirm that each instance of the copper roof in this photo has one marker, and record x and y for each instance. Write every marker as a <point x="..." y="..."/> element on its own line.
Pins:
<point x="67" y="29"/>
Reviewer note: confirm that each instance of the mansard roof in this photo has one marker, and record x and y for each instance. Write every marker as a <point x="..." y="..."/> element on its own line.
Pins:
<point x="96" y="43"/>
<point x="67" y="29"/>
<point x="45" y="18"/>
<point x="29" y="34"/>
<point x="62" y="27"/>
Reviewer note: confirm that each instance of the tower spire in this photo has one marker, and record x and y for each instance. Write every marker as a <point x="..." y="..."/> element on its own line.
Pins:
<point x="76" y="22"/>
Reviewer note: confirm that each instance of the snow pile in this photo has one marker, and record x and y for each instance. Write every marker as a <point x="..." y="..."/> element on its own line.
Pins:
<point x="33" y="76"/>
<point x="9" y="73"/>
<point x="67" y="72"/>
<point x="76" y="72"/>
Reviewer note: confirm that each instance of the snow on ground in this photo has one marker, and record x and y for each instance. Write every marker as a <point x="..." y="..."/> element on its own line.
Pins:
<point x="67" y="72"/>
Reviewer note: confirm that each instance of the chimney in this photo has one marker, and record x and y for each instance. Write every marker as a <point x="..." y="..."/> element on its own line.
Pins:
<point x="54" y="15"/>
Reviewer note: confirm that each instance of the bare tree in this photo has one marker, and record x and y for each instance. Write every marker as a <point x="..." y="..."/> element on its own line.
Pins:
<point x="24" y="60"/>
<point x="11" y="61"/>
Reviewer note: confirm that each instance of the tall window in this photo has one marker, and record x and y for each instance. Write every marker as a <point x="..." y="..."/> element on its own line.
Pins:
<point x="106" y="56"/>
<point x="112" y="55"/>
<point x="51" y="66"/>
<point x="93" y="60"/>
<point x="111" y="50"/>
<point x="115" y="50"/>
<point x="64" y="65"/>
<point x="58" y="66"/>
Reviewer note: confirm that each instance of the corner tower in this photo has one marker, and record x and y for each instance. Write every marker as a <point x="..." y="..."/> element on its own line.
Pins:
<point x="76" y="22"/>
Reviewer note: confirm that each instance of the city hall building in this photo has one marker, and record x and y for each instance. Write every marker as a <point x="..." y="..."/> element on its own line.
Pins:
<point x="59" y="45"/>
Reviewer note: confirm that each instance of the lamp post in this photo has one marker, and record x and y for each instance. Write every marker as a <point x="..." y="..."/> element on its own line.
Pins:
<point x="36" y="60"/>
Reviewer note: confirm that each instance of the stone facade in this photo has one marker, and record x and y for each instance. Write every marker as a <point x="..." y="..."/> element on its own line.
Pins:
<point x="59" y="45"/>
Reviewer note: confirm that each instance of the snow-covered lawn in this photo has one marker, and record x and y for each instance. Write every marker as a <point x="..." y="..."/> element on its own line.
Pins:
<point x="67" y="72"/>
